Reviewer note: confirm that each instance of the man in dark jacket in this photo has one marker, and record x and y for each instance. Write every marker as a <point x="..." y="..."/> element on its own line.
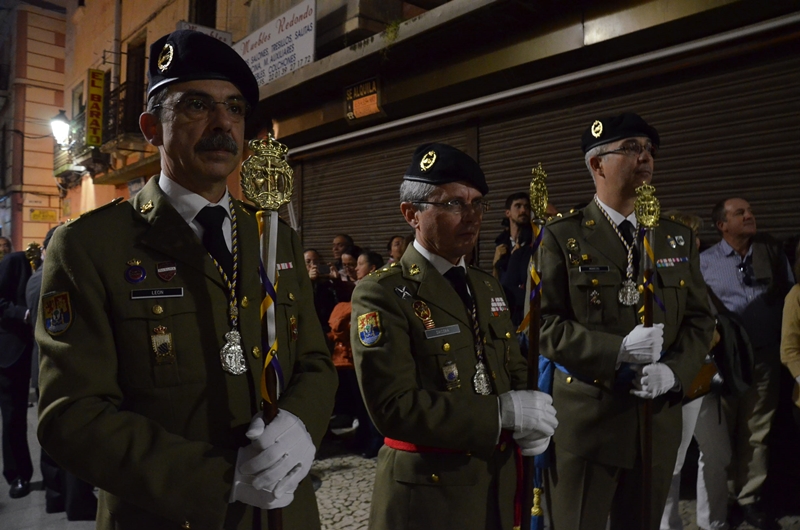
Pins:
<point x="16" y="345"/>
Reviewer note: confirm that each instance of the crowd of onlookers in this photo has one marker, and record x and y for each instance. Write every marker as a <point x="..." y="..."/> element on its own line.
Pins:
<point x="333" y="283"/>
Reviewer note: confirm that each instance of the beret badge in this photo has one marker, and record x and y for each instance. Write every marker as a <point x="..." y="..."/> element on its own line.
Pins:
<point x="165" y="57"/>
<point x="597" y="128"/>
<point x="427" y="161"/>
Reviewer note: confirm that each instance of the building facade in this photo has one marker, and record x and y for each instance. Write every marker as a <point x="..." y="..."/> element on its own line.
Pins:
<point x="32" y="36"/>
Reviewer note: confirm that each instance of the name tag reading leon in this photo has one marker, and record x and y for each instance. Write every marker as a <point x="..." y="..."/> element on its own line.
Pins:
<point x="142" y="294"/>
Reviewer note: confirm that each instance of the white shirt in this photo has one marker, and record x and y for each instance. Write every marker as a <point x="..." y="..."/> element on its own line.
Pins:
<point x="188" y="204"/>
<point x="438" y="262"/>
<point x="618" y="217"/>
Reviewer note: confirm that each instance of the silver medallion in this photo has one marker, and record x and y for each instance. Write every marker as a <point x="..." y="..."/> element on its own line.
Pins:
<point x="232" y="355"/>
<point x="628" y="294"/>
<point x="481" y="382"/>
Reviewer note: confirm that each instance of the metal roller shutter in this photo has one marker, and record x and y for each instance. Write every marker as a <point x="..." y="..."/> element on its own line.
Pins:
<point x="730" y="129"/>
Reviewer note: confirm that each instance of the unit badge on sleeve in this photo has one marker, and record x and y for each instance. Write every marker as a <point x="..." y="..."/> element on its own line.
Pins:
<point x="57" y="312"/>
<point x="369" y="328"/>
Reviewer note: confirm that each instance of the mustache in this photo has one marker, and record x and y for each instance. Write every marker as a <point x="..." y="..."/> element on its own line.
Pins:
<point x="217" y="142"/>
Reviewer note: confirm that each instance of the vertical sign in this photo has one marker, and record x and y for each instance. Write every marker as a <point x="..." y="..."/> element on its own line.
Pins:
<point x="94" y="108"/>
<point x="281" y="46"/>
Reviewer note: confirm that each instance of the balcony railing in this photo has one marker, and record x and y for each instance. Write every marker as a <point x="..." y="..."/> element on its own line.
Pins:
<point x="124" y="107"/>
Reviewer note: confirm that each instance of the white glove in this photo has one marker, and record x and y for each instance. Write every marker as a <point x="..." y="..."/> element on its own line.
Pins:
<point x="642" y="345"/>
<point x="532" y="445"/>
<point x="652" y="380"/>
<point x="528" y="413"/>
<point x="270" y="468"/>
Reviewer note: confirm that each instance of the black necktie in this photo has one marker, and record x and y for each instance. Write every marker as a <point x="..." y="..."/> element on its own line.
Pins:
<point x="457" y="277"/>
<point x="211" y="219"/>
<point x="627" y="230"/>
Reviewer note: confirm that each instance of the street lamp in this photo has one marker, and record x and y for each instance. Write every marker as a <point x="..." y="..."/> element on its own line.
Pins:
<point x="60" y="126"/>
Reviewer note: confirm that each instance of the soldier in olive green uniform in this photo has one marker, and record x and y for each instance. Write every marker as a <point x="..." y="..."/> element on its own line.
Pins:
<point x="428" y="388"/>
<point x="137" y="397"/>
<point x="608" y="363"/>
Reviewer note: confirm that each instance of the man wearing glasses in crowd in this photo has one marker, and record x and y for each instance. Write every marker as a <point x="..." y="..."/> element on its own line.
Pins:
<point x="748" y="274"/>
<point x="607" y="364"/>
<point x="151" y="334"/>
<point x="439" y="366"/>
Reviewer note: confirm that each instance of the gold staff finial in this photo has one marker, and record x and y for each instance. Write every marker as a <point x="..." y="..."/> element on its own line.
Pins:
<point x="34" y="254"/>
<point x="538" y="192"/>
<point x="647" y="207"/>
<point x="267" y="178"/>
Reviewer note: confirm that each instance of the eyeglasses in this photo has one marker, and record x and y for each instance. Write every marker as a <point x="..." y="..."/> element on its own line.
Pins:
<point x="199" y="107"/>
<point x="633" y="149"/>
<point x="458" y="207"/>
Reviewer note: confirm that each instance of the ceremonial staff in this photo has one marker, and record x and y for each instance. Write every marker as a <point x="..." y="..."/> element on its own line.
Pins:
<point x="267" y="183"/>
<point x="647" y="210"/>
<point x="531" y="476"/>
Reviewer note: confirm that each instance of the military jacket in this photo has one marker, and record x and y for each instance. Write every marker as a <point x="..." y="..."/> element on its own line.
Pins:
<point x="403" y="369"/>
<point x="583" y="325"/>
<point x="134" y="399"/>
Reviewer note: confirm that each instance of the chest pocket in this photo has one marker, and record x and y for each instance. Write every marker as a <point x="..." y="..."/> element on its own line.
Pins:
<point x="501" y="333"/>
<point x="288" y="327"/>
<point x="158" y="343"/>
<point x="594" y="295"/>
<point x="673" y="283"/>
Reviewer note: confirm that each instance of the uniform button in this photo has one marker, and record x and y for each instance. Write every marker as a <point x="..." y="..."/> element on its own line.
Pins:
<point x="446" y="346"/>
<point x="291" y="296"/>
<point x="640" y="288"/>
<point x="434" y="478"/>
<point x="503" y="447"/>
<point x="245" y="301"/>
<point x="597" y="381"/>
<point x="186" y="526"/>
<point x="157" y="309"/>
<point x="494" y="375"/>
<point x="508" y="334"/>
<point x="256" y="352"/>
<point x="683" y="283"/>
<point x="569" y="379"/>
<point x="595" y="281"/>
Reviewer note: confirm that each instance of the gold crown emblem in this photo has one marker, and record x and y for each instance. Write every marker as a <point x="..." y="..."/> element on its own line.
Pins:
<point x="647" y="207"/>
<point x="427" y="161"/>
<point x="160" y="330"/>
<point x="165" y="57"/>
<point x="597" y="128"/>
<point x="538" y="192"/>
<point x="267" y="178"/>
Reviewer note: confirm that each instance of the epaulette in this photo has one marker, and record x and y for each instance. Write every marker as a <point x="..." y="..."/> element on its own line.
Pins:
<point x="389" y="270"/>
<point x="570" y="215"/>
<point x="115" y="202"/>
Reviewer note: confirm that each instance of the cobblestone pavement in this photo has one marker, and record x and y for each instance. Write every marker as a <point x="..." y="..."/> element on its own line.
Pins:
<point x="347" y="479"/>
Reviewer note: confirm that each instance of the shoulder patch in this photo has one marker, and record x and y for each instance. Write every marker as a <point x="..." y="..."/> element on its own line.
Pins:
<point x="101" y="208"/>
<point x="57" y="312"/>
<point x="369" y="328"/>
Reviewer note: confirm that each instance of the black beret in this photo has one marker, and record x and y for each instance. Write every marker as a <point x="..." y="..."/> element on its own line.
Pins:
<point x="440" y="163"/>
<point x="187" y="55"/>
<point x="626" y="125"/>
